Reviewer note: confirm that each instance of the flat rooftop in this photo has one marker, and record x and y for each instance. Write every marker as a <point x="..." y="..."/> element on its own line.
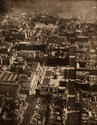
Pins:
<point x="8" y="78"/>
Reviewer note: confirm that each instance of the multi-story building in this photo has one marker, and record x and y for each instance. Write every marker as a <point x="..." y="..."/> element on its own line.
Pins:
<point x="9" y="84"/>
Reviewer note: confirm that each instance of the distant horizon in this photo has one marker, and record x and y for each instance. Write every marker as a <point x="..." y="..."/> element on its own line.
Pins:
<point x="73" y="8"/>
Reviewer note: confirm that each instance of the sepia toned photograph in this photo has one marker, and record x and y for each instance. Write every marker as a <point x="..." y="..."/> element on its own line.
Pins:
<point x="48" y="62"/>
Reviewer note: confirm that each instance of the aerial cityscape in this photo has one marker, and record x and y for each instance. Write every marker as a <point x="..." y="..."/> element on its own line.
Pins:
<point x="48" y="62"/>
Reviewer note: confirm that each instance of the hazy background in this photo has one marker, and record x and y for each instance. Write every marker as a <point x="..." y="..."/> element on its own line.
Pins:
<point x="65" y="8"/>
